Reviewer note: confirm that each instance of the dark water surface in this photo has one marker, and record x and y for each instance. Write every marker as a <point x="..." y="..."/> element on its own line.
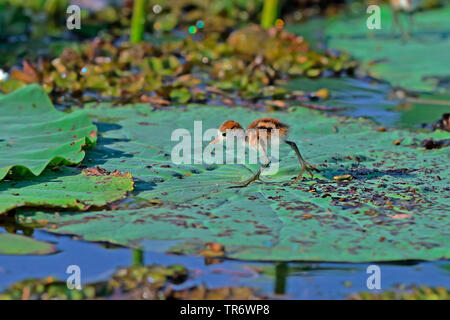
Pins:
<point x="378" y="101"/>
<point x="282" y="280"/>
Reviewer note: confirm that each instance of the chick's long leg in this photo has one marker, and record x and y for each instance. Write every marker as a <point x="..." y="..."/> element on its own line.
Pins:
<point x="397" y="25"/>
<point x="254" y="178"/>
<point x="262" y="147"/>
<point x="411" y="23"/>
<point x="305" y="165"/>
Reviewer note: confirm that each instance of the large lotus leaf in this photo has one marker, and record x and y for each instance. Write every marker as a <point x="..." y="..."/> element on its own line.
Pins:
<point x="21" y="245"/>
<point x="33" y="134"/>
<point x="419" y="63"/>
<point x="394" y="208"/>
<point x="63" y="188"/>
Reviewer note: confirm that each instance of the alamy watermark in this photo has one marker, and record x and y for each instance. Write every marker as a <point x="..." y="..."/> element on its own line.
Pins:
<point x="374" y="280"/>
<point x="74" y="280"/>
<point x="74" y="19"/>
<point x="374" y="20"/>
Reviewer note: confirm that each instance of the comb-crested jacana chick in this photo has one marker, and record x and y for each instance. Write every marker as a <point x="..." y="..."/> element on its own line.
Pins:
<point x="258" y="136"/>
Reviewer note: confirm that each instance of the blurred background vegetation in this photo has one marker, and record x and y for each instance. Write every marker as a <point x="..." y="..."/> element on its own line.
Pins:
<point x="234" y="52"/>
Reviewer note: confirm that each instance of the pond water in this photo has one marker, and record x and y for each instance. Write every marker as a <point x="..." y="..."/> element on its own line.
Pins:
<point x="376" y="100"/>
<point x="277" y="280"/>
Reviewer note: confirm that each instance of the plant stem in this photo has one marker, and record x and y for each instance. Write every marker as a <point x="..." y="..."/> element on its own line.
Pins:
<point x="137" y="257"/>
<point x="269" y="13"/>
<point x="281" y="273"/>
<point x="138" y="21"/>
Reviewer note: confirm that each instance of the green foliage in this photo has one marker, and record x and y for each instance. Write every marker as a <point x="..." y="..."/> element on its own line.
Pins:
<point x="395" y="206"/>
<point x="269" y="14"/>
<point x="245" y="64"/>
<point x="35" y="135"/>
<point x="138" y="21"/>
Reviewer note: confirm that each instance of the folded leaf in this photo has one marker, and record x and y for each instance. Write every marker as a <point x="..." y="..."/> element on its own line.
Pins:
<point x="34" y="135"/>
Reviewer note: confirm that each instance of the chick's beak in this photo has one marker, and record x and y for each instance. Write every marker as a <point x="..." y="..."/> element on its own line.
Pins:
<point x="214" y="141"/>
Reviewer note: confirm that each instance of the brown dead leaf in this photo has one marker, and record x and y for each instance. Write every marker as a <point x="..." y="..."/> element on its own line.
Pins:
<point x="98" y="171"/>
<point x="322" y="94"/>
<point x="402" y="215"/>
<point x="277" y="103"/>
<point x="155" y="100"/>
<point x="212" y="249"/>
<point x="214" y="246"/>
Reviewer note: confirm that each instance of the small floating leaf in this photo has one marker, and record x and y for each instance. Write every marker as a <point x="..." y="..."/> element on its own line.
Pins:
<point x="20" y="245"/>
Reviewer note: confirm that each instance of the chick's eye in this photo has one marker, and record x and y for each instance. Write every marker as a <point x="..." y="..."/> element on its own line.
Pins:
<point x="224" y="134"/>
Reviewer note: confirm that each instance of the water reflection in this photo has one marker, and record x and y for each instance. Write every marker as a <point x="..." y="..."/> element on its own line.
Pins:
<point x="137" y="257"/>
<point x="281" y="273"/>
<point x="286" y="280"/>
<point x="388" y="106"/>
<point x="9" y="224"/>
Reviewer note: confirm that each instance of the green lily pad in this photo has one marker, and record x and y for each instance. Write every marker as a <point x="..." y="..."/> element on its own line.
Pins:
<point x="395" y="207"/>
<point x="64" y="188"/>
<point x="35" y="135"/>
<point x="181" y="95"/>
<point x="20" y="245"/>
<point x="417" y="63"/>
